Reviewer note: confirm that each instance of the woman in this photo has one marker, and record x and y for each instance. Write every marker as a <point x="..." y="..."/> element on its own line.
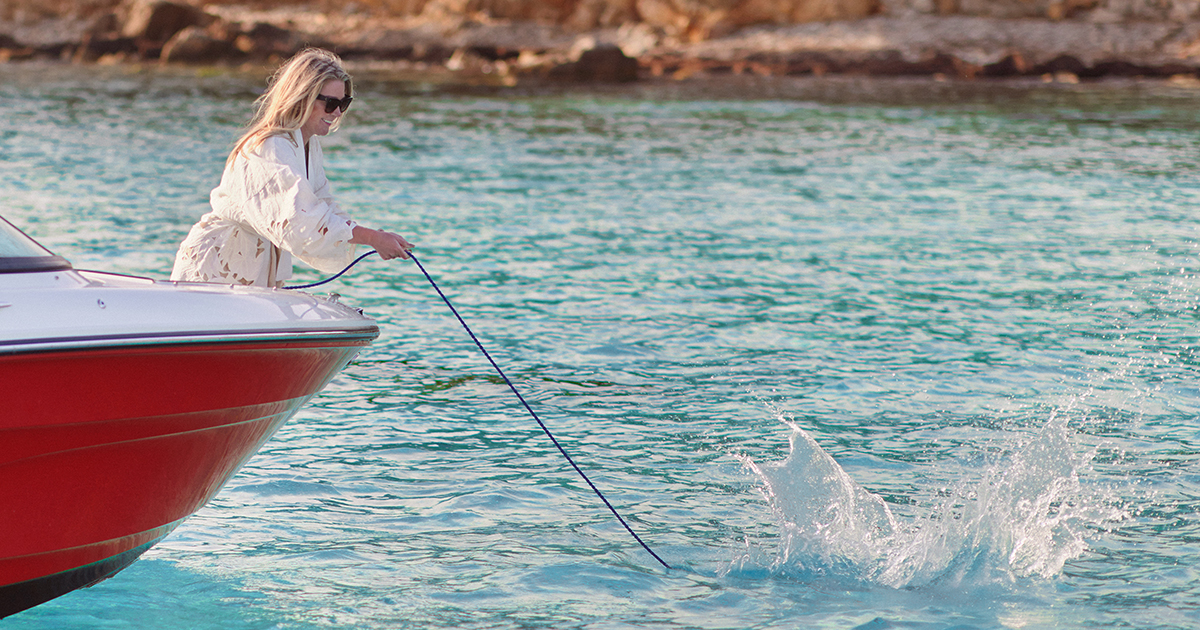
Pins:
<point x="274" y="201"/>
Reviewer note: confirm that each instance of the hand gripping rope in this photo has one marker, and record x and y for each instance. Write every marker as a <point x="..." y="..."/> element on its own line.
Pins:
<point x="510" y="386"/>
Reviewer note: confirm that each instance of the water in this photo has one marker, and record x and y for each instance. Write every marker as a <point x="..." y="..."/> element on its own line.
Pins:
<point x="846" y="353"/>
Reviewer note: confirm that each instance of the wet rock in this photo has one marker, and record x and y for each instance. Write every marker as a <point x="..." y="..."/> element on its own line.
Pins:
<point x="602" y="63"/>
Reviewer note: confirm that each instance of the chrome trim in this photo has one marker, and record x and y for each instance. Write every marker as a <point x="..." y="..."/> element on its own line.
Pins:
<point x="24" y="346"/>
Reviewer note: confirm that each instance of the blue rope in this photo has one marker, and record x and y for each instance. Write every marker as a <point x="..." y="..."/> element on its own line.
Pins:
<point x="514" y="391"/>
<point x="535" y="416"/>
<point x="335" y="276"/>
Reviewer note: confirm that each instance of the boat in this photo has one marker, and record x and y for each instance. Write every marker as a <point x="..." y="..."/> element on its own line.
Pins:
<point x="126" y="403"/>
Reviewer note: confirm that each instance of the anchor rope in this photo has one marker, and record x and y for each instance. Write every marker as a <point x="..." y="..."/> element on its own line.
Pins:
<point x="334" y="276"/>
<point x="512" y="387"/>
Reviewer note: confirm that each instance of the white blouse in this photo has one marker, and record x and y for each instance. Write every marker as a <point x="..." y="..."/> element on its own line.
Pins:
<point x="269" y="207"/>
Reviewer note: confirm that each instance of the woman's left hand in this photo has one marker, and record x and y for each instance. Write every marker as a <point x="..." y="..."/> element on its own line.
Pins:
<point x="388" y="244"/>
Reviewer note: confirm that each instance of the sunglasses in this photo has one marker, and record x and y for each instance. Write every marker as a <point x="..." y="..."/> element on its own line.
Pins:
<point x="334" y="103"/>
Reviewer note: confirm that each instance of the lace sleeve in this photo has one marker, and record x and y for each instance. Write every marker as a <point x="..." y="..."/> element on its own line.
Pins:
<point x="281" y="205"/>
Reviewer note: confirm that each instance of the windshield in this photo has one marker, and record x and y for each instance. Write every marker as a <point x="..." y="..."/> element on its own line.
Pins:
<point x="18" y="252"/>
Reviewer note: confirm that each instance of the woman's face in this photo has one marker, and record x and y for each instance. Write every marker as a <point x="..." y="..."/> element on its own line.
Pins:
<point x="318" y="121"/>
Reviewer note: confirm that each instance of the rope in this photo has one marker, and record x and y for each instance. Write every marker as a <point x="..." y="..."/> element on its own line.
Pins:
<point x="521" y="398"/>
<point x="535" y="416"/>
<point x="335" y="276"/>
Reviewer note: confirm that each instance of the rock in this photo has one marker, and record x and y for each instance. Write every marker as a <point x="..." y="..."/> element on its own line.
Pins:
<point x="751" y="12"/>
<point x="264" y="40"/>
<point x="104" y="25"/>
<point x="698" y="20"/>
<point x="11" y="49"/>
<point x="415" y="44"/>
<point x="95" y="47"/>
<point x="544" y="11"/>
<point x="511" y="36"/>
<point x="159" y="20"/>
<point x="196" y="45"/>
<point x="967" y="39"/>
<point x="602" y="63"/>
<point x="958" y="46"/>
<point x="592" y="14"/>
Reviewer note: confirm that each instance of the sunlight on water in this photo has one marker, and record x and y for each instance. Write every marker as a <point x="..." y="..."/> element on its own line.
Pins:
<point x="975" y="301"/>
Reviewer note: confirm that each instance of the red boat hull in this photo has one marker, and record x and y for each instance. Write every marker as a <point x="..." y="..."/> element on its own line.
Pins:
<point x="104" y="451"/>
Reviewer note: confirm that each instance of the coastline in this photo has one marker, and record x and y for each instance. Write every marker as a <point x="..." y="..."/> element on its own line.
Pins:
<point x="508" y="52"/>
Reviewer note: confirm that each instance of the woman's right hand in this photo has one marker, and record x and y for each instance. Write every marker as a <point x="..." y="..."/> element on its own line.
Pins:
<point x="388" y="244"/>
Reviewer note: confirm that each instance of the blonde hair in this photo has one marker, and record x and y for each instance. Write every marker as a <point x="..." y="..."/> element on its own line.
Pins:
<point x="290" y="95"/>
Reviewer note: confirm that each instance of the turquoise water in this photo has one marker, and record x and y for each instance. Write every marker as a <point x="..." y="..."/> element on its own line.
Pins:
<point x="846" y="353"/>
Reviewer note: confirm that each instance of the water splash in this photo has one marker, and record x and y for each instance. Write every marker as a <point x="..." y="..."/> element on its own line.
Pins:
<point x="1026" y="516"/>
<point x="827" y="519"/>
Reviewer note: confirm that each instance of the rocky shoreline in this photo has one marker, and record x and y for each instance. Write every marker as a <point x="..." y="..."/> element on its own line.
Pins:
<point x="512" y="51"/>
